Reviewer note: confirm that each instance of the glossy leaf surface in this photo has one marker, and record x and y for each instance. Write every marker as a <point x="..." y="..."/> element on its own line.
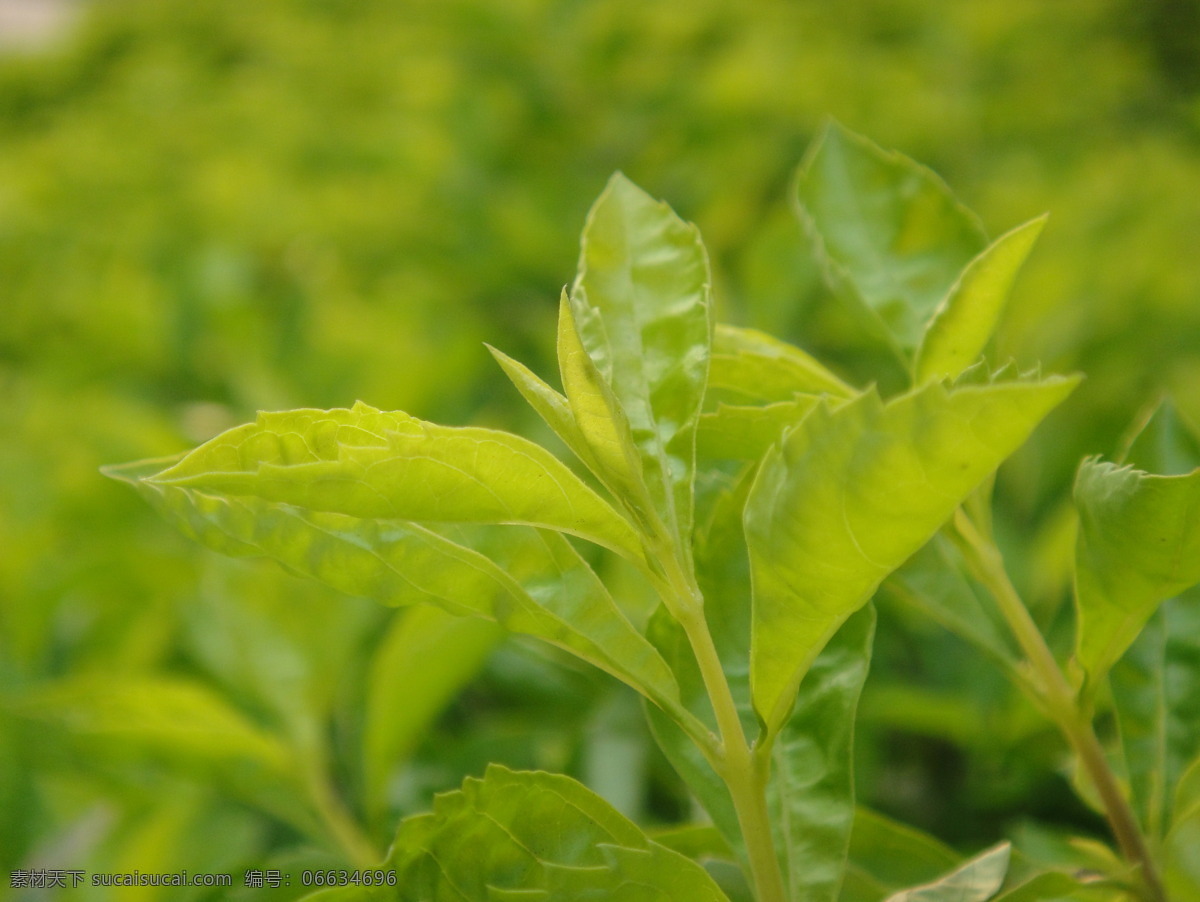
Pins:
<point x="850" y="494"/>
<point x="968" y="315"/>
<point x="528" y="580"/>
<point x="811" y="790"/>
<point x="641" y="305"/>
<point x="891" y="235"/>
<point x="386" y="464"/>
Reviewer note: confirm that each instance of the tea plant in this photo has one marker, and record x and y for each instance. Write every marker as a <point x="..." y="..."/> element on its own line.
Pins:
<point x="764" y="501"/>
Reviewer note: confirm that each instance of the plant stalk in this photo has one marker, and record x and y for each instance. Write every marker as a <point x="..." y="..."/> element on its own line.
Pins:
<point x="342" y="827"/>
<point x="734" y="760"/>
<point x="1058" y="698"/>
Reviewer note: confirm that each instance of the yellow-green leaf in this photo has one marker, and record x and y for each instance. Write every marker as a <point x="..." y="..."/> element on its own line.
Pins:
<point x="850" y="494"/>
<point x="962" y="324"/>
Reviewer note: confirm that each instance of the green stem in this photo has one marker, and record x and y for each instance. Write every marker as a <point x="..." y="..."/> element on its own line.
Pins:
<point x="342" y="827"/>
<point x="1058" y="698"/>
<point x="734" y="759"/>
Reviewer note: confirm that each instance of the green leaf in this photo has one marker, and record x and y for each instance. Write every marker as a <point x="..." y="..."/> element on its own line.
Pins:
<point x="540" y="837"/>
<point x="1164" y="443"/>
<point x="892" y="237"/>
<point x="1139" y="544"/>
<point x="964" y="321"/>
<point x="886" y="856"/>
<point x="1055" y="886"/>
<point x="425" y="658"/>
<point x="745" y="433"/>
<point x="852" y="493"/>
<point x="386" y="464"/>
<point x="177" y="717"/>
<point x="935" y="582"/>
<point x="528" y="580"/>
<point x="641" y="303"/>
<point x="610" y="450"/>
<point x="749" y="367"/>
<point x="1156" y="694"/>
<point x="976" y="881"/>
<point x="811" y="788"/>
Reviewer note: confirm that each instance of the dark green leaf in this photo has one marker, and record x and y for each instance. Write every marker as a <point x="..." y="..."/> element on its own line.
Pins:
<point x="975" y="881"/>
<point x="811" y="789"/>
<point x="1139" y="544"/>
<point x="1156" y="692"/>
<point x="935" y="582"/>
<point x="886" y="856"/>
<point x="424" y="659"/>
<point x="891" y="235"/>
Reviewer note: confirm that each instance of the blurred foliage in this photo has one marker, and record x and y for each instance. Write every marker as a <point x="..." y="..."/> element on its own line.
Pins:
<point x="211" y="208"/>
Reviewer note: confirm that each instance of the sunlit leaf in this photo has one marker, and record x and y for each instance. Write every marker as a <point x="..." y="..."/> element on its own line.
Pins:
<point x="975" y="881"/>
<point x="850" y="494"/>
<point x="967" y="317"/>
<point x="1139" y="544"/>
<point x="386" y="464"/>
<point x="535" y="836"/>
<point x="811" y="789"/>
<point x="610" y="449"/>
<point x="745" y="433"/>
<point x="641" y="305"/>
<point x="891" y="235"/>
<point x="749" y="367"/>
<point x="528" y="580"/>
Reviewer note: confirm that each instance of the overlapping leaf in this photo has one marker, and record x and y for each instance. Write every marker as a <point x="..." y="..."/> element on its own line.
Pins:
<point x="641" y="306"/>
<point x="1156" y="693"/>
<point x="963" y="323"/>
<point x="975" y="881"/>
<point x="811" y="790"/>
<point x="424" y="659"/>
<point x="528" y="580"/>
<point x="850" y="494"/>
<point x="536" y="837"/>
<point x="886" y="856"/>
<point x="1139" y="544"/>
<point x="891" y="235"/>
<point x="369" y="463"/>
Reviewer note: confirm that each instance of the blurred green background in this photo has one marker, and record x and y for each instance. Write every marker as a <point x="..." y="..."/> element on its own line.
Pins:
<point x="208" y="209"/>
